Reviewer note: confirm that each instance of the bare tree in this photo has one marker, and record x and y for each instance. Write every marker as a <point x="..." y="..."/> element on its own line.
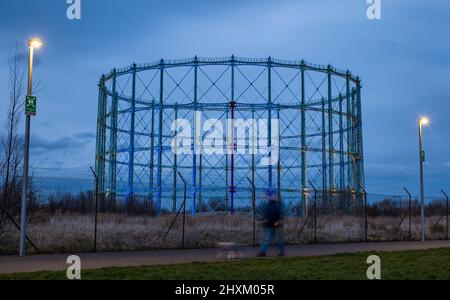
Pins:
<point x="11" y="142"/>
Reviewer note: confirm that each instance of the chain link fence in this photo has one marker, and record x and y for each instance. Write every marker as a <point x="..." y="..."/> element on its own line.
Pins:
<point x="67" y="215"/>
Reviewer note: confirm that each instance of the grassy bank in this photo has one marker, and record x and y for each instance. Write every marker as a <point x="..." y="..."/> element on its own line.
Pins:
<point x="423" y="264"/>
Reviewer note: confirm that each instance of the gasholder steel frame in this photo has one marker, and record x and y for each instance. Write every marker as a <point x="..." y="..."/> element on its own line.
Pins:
<point x="321" y="138"/>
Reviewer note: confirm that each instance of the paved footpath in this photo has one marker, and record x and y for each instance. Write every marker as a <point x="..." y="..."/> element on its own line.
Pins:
<point x="57" y="262"/>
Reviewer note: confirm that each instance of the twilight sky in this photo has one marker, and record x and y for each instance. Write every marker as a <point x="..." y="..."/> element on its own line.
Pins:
<point x="403" y="60"/>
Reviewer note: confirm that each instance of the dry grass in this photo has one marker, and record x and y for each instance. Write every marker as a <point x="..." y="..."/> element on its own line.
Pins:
<point x="75" y="233"/>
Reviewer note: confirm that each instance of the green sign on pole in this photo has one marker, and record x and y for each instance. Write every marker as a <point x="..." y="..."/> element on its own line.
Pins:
<point x="30" y="106"/>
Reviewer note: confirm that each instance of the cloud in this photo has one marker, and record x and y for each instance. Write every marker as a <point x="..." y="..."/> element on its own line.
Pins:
<point x="74" y="142"/>
<point x="85" y="135"/>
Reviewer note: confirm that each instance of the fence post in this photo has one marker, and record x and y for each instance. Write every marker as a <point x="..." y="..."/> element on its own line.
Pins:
<point x="96" y="209"/>
<point x="315" y="212"/>
<point x="446" y="196"/>
<point x="183" y="206"/>
<point x="184" y="209"/>
<point x="254" y="210"/>
<point x="409" y="212"/>
<point x="315" y="215"/>
<point x="365" y="214"/>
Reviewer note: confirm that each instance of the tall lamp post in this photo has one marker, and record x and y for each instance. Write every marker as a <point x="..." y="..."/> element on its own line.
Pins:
<point x="422" y="121"/>
<point x="32" y="44"/>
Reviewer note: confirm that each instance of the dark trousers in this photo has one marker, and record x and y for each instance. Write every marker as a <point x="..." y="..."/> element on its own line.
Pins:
<point x="271" y="234"/>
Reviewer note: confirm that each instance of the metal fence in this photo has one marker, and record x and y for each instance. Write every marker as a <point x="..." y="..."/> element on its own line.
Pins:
<point x="67" y="215"/>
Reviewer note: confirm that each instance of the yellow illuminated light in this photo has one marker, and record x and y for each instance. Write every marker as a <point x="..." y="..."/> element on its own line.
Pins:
<point x="424" y="121"/>
<point x="35" y="43"/>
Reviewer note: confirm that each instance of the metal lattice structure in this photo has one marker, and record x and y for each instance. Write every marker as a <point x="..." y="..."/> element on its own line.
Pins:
<point x="320" y="129"/>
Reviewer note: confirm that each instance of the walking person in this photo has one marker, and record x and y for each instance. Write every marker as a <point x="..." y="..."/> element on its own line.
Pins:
<point x="272" y="223"/>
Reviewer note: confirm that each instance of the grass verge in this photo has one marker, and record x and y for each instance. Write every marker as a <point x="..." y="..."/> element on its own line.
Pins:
<point x="409" y="265"/>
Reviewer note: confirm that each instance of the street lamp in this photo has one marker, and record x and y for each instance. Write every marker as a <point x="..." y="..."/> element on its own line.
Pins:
<point x="422" y="121"/>
<point x="35" y="43"/>
<point x="32" y="44"/>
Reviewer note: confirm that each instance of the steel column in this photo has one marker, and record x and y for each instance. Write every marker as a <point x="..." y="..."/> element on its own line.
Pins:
<point x="232" y="108"/>
<point x="324" y="155"/>
<point x="354" y="142"/>
<point x="195" y="148"/>
<point x="330" y="133"/>
<point x="132" y="140"/>
<point x="341" y="146"/>
<point x="175" y="164"/>
<point x="304" y="183"/>
<point x="269" y="118"/>
<point x="200" y="177"/>
<point x="227" y="167"/>
<point x="349" y="135"/>
<point x="254" y="144"/>
<point x="160" y="133"/>
<point x="152" y="154"/>
<point x="113" y="141"/>
<point x="279" y="159"/>
<point x="101" y="132"/>
<point x="360" y="158"/>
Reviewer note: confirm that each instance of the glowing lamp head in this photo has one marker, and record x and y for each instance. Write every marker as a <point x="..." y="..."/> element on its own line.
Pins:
<point x="424" y="121"/>
<point x="35" y="43"/>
